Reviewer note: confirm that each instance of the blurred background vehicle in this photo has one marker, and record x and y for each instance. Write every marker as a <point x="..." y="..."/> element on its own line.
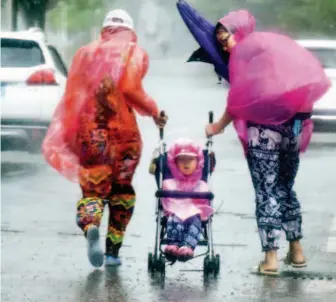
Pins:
<point x="324" y="114"/>
<point x="33" y="77"/>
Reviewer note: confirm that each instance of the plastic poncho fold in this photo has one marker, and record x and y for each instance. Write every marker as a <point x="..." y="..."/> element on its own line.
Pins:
<point x="104" y="82"/>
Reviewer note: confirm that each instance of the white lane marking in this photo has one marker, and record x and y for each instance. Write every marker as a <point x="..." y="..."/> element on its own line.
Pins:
<point x="331" y="244"/>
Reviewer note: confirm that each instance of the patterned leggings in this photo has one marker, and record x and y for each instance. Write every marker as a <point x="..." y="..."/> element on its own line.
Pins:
<point x="273" y="160"/>
<point x="121" y="202"/>
<point x="184" y="233"/>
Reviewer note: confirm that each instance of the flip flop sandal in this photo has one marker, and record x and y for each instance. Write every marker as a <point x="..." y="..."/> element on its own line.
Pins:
<point x="267" y="272"/>
<point x="288" y="261"/>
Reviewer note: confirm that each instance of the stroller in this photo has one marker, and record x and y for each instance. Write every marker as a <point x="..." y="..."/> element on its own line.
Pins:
<point x="157" y="260"/>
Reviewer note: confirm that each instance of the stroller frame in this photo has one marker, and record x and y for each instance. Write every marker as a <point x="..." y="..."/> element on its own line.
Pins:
<point x="157" y="260"/>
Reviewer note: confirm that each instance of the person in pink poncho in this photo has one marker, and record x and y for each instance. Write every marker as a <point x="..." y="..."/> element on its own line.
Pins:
<point x="185" y="216"/>
<point x="274" y="83"/>
<point x="94" y="138"/>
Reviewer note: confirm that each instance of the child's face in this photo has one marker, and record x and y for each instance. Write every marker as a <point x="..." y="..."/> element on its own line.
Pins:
<point x="186" y="164"/>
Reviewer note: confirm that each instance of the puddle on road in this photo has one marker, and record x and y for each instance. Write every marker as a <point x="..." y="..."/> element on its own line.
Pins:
<point x="241" y="215"/>
<point x="231" y="244"/>
<point x="11" y="231"/>
<point x="303" y="275"/>
<point x="69" y="234"/>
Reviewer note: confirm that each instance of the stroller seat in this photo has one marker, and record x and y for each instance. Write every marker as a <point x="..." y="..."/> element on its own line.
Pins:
<point x="209" y="166"/>
<point x="159" y="167"/>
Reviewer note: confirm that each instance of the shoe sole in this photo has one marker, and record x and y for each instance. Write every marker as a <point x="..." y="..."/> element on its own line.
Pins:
<point x="95" y="253"/>
<point x="112" y="264"/>
<point x="266" y="272"/>
<point x="288" y="261"/>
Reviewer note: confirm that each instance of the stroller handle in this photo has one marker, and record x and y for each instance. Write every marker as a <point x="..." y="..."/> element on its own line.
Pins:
<point x="211" y="115"/>
<point x="162" y="114"/>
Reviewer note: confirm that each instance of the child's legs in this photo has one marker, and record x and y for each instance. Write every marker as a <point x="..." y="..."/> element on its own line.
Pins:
<point x="192" y="231"/>
<point x="175" y="229"/>
<point x="121" y="206"/>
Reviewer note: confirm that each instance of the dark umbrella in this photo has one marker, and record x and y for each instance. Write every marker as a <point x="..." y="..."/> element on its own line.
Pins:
<point x="200" y="55"/>
<point x="203" y="31"/>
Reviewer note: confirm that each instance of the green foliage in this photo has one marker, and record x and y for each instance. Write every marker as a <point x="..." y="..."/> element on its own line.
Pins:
<point x="310" y="17"/>
<point x="77" y="15"/>
<point x="305" y="17"/>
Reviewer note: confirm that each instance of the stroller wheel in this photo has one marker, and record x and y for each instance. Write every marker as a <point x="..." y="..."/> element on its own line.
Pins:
<point x="162" y="270"/>
<point x="216" y="265"/>
<point x="206" y="266"/>
<point x="162" y="265"/>
<point x="150" y="262"/>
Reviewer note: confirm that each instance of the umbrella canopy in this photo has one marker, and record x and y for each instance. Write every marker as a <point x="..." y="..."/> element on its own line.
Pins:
<point x="204" y="33"/>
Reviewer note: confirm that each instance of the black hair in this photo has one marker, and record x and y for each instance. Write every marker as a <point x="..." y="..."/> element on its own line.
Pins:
<point x="224" y="54"/>
<point x="218" y="25"/>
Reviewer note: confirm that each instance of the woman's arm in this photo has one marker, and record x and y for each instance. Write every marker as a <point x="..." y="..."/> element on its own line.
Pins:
<point x="225" y="120"/>
<point x="218" y="127"/>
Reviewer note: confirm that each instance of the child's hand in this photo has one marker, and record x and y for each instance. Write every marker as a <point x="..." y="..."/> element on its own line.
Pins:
<point x="213" y="129"/>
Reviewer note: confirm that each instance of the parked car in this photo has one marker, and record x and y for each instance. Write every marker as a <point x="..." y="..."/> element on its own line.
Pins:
<point x="324" y="114"/>
<point x="33" y="77"/>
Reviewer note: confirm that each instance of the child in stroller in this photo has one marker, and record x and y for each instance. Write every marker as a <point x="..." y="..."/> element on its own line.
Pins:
<point x="184" y="216"/>
<point x="184" y="205"/>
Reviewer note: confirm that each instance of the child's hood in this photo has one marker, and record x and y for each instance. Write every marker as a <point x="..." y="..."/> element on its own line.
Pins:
<point x="240" y="23"/>
<point x="185" y="145"/>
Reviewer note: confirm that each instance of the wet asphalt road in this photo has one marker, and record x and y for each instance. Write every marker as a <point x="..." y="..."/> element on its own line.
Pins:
<point x="44" y="254"/>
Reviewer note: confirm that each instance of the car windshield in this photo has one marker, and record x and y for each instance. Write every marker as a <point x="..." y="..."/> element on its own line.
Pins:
<point x="327" y="56"/>
<point x="58" y="60"/>
<point x="20" y="53"/>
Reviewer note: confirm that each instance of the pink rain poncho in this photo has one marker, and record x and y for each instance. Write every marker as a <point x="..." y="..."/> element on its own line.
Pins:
<point x="185" y="208"/>
<point x="95" y="125"/>
<point x="271" y="77"/>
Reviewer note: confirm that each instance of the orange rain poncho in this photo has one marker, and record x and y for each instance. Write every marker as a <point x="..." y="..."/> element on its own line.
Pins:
<point x="94" y="125"/>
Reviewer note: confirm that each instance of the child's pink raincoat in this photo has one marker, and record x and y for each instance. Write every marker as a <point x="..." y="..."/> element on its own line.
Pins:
<point x="185" y="208"/>
<point x="271" y="77"/>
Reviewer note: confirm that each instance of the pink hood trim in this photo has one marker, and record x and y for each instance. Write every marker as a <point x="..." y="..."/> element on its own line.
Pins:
<point x="186" y="145"/>
<point x="241" y="23"/>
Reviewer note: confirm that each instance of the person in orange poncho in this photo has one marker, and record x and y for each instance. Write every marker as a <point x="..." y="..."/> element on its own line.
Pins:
<point x="94" y="138"/>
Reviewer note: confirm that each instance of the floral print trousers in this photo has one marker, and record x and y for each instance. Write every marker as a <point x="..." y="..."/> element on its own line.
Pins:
<point x="273" y="161"/>
<point x="99" y="191"/>
<point x="184" y="233"/>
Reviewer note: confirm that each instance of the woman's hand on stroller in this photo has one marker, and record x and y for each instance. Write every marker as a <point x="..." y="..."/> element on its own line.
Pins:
<point x="161" y="119"/>
<point x="213" y="129"/>
<point x="219" y="126"/>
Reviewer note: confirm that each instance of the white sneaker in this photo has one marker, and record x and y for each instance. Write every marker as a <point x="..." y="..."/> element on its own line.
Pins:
<point x="112" y="261"/>
<point x="95" y="253"/>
